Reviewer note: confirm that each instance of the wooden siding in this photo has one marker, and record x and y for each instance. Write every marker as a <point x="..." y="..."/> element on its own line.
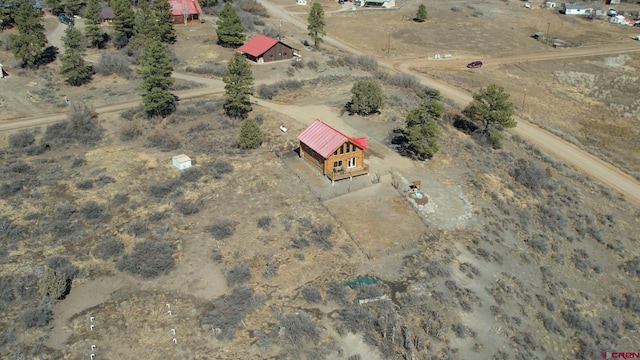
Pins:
<point x="179" y="19"/>
<point x="279" y="51"/>
<point x="312" y="157"/>
<point x="342" y="156"/>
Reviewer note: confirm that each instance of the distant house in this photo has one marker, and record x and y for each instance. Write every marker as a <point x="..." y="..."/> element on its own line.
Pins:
<point x="106" y="15"/>
<point x="379" y="3"/>
<point x="335" y="154"/>
<point x="301" y="2"/>
<point x="550" y="4"/>
<point x="263" y="49"/>
<point x="571" y="9"/>
<point x="185" y="11"/>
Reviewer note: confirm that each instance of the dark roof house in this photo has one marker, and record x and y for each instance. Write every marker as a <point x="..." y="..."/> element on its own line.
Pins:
<point x="262" y="49"/>
<point x="106" y="14"/>
<point x="337" y="155"/>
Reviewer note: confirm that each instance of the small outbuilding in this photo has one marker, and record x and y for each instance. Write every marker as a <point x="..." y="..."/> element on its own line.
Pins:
<point x="301" y="2"/>
<point x="335" y="154"/>
<point x="185" y="11"/>
<point x="386" y="4"/>
<point x="181" y="161"/>
<point x="263" y="49"/>
<point x="106" y="15"/>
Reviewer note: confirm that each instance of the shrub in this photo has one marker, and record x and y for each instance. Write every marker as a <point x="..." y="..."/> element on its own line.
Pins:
<point x="210" y="68"/>
<point x="111" y="63"/>
<point x="91" y="210"/>
<point x="370" y="291"/>
<point x="529" y="174"/>
<point x="222" y="229"/>
<point x="130" y="131"/>
<point x="62" y="265"/>
<point x="267" y="91"/>
<point x="228" y="311"/>
<point x="53" y="284"/>
<point x="220" y="167"/>
<point x="85" y="184"/>
<point x="108" y="248"/>
<point x="82" y="127"/>
<point x="299" y="242"/>
<point x="137" y="228"/>
<point x="336" y="292"/>
<point x="217" y="256"/>
<point x="320" y="234"/>
<point x="270" y="271"/>
<point x="148" y="259"/>
<point x="10" y="232"/>
<point x="21" y="139"/>
<point x="189" y="207"/>
<point x="36" y="316"/>
<point x="311" y="294"/>
<point x="298" y="328"/>
<point x="264" y="223"/>
<point x="580" y="259"/>
<point x="77" y="162"/>
<point x="576" y="321"/>
<point x="191" y="174"/>
<point x="238" y="274"/>
<point x="161" y="189"/>
<point x="632" y="266"/>
<point x="405" y="81"/>
<point x="550" y="324"/>
<point x="538" y="243"/>
<point x="165" y="140"/>
<point x="120" y="199"/>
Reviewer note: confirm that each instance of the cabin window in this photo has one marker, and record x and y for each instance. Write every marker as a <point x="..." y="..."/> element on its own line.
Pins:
<point x="337" y="164"/>
<point x="351" y="163"/>
<point x="342" y="149"/>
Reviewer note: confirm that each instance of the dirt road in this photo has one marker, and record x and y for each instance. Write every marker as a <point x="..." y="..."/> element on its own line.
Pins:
<point x="567" y="152"/>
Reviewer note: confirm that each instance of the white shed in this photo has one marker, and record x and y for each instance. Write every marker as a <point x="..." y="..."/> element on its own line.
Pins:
<point x="181" y="161"/>
<point x="301" y="2"/>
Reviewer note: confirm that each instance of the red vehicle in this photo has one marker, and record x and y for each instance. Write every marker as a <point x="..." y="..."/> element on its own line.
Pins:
<point x="474" y="64"/>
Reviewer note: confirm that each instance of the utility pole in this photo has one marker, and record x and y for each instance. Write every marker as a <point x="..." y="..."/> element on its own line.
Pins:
<point x="388" y="42"/>
<point x="524" y="97"/>
<point x="548" y="28"/>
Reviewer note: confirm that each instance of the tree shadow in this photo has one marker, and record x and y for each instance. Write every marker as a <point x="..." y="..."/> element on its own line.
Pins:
<point x="49" y="55"/>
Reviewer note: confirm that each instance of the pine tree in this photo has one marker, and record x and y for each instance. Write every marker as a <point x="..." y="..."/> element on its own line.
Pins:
<point x="92" y="31"/>
<point x="31" y="40"/>
<point x="162" y="13"/>
<point x="366" y="97"/>
<point x="237" y="89"/>
<point x="145" y="25"/>
<point x="421" y="14"/>
<point x="492" y="107"/>
<point x="56" y="6"/>
<point x="71" y="7"/>
<point x="230" y="30"/>
<point x="155" y="70"/>
<point x="422" y="139"/>
<point x="316" y="23"/>
<point x="74" y="68"/>
<point x="123" y="23"/>
<point x="250" y="135"/>
<point x="52" y="284"/>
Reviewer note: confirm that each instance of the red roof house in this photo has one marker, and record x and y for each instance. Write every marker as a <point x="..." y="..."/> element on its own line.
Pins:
<point x="185" y="11"/>
<point x="262" y="49"/>
<point x="332" y="152"/>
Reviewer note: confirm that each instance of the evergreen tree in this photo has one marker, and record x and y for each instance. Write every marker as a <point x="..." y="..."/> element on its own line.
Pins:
<point x="316" y="23"/>
<point x="123" y="23"/>
<point x="56" y="6"/>
<point x="492" y="107"/>
<point x="145" y="25"/>
<point x="230" y="30"/>
<point x="238" y="81"/>
<point x="428" y="110"/>
<point x="31" y="40"/>
<point x="422" y="139"/>
<point x="366" y="97"/>
<point x="421" y="14"/>
<point x="92" y="31"/>
<point x="162" y="13"/>
<point x="250" y="135"/>
<point x="74" y="68"/>
<point x="72" y="7"/>
<point x="53" y="284"/>
<point x="155" y="70"/>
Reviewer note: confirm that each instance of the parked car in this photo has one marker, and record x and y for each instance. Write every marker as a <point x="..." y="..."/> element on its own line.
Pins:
<point x="474" y="64"/>
<point x="637" y="37"/>
<point x="527" y="5"/>
<point x="65" y="19"/>
<point x="612" y="12"/>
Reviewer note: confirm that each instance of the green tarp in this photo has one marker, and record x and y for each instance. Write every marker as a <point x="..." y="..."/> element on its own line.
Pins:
<point x="360" y="281"/>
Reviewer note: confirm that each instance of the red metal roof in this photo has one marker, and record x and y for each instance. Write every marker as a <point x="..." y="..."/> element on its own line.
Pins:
<point x="325" y="139"/>
<point x="258" y="45"/>
<point x="180" y="7"/>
